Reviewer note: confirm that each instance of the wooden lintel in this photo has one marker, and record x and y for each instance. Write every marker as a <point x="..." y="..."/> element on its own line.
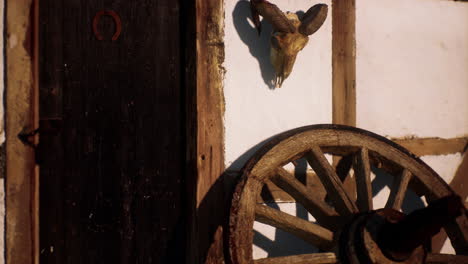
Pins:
<point x="433" y="146"/>
<point x="344" y="62"/>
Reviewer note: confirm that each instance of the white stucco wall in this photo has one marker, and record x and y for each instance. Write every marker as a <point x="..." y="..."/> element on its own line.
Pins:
<point x="412" y="67"/>
<point x="254" y="110"/>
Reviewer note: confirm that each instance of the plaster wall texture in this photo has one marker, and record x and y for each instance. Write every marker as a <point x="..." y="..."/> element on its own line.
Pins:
<point x="412" y="80"/>
<point x="412" y="67"/>
<point x="255" y="111"/>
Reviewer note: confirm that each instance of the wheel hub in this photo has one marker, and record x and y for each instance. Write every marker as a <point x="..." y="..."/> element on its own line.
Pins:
<point x="387" y="236"/>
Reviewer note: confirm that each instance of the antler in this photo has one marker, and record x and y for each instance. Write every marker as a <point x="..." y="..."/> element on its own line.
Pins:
<point x="313" y="19"/>
<point x="272" y="14"/>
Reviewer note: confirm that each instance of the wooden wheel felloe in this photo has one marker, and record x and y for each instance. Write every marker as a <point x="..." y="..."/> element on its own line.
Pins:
<point x="344" y="219"/>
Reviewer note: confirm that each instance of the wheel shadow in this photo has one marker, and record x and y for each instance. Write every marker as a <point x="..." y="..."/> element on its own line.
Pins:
<point x="384" y="180"/>
<point x="284" y="243"/>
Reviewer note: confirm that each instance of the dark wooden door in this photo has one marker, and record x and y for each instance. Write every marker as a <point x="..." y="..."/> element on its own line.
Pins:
<point x="112" y="139"/>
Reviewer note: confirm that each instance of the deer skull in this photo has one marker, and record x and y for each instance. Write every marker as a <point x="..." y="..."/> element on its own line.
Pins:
<point x="290" y="34"/>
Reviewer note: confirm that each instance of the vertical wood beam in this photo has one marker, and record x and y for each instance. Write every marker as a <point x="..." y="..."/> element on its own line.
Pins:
<point x="210" y="212"/>
<point x="210" y="98"/>
<point x="21" y="180"/>
<point x="344" y="70"/>
<point x="344" y="61"/>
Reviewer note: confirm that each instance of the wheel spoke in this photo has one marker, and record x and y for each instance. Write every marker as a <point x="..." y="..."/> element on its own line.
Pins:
<point x="309" y="232"/>
<point x="457" y="230"/>
<point x="343" y="169"/>
<point x="444" y="258"/>
<point x="363" y="180"/>
<point x="330" y="180"/>
<point x="398" y="190"/>
<point x="324" y="214"/>
<point x="317" y="258"/>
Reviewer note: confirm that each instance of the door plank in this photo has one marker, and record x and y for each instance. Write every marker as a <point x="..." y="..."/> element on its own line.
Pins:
<point x="111" y="182"/>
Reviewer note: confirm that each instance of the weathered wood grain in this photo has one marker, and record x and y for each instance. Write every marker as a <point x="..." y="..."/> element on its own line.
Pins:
<point x="21" y="232"/>
<point x="113" y="177"/>
<point x="398" y="190"/>
<point x="209" y="127"/>
<point x="241" y="219"/>
<point x="312" y="233"/>
<point x="330" y="180"/>
<point x="210" y="99"/>
<point x="272" y="193"/>
<point x="433" y="146"/>
<point x="344" y="62"/>
<point x="336" y="140"/>
<point x="311" y="201"/>
<point x="317" y="258"/>
<point x="363" y="180"/>
<point x="446" y="259"/>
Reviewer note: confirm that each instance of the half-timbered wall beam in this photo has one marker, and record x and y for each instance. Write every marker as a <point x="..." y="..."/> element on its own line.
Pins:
<point x="21" y="177"/>
<point x="433" y="146"/>
<point x="344" y="62"/>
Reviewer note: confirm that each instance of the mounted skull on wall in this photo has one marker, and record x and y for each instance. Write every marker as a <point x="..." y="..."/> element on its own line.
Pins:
<point x="290" y="34"/>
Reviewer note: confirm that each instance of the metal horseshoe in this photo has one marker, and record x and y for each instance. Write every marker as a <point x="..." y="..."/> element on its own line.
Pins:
<point x="117" y="21"/>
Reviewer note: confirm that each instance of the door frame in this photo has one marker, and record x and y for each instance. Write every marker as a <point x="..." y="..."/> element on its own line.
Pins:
<point x="21" y="116"/>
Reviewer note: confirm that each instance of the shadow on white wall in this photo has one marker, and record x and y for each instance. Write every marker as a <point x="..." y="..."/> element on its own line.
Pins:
<point x="259" y="46"/>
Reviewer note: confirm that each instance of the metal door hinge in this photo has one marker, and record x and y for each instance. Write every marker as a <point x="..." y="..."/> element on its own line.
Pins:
<point x="27" y="137"/>
<point x="46" y="127"/>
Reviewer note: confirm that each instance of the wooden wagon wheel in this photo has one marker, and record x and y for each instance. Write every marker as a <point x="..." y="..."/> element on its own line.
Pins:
<point x="347" y="227"/>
